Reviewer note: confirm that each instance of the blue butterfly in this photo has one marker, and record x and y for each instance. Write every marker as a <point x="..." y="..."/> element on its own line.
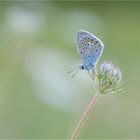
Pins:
<point x="90" y="49"/>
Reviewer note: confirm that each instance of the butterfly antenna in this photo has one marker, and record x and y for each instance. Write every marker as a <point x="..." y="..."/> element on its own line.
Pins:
<point x="72" y="70"/>
<point x="75" y="69"/>
<point x="75" y="72"/>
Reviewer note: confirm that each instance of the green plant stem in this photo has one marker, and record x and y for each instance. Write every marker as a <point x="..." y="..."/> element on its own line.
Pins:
<point x="84" y="116"/>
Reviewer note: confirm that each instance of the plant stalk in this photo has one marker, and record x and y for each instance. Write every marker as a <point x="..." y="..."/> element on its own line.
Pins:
<point x="88" y="110"/>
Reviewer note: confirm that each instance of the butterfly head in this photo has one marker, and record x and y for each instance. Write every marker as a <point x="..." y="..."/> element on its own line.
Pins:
<point x="85" y="67"/>
<point x="82" y="67"/>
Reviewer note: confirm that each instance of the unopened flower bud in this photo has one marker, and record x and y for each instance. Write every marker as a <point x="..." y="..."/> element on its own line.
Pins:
<point x="108" y="77"/>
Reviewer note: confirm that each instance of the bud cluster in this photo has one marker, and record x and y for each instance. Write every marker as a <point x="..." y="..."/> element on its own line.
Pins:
<point x="108" y="78"/>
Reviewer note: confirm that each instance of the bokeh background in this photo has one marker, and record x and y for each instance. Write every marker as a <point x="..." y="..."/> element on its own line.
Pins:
<point x="38" y="99"/>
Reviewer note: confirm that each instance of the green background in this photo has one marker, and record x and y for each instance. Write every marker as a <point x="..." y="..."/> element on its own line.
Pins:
<point x="38" y="99"/>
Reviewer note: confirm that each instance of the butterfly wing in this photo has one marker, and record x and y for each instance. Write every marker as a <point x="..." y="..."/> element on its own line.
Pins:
<point x="89" y="47"/>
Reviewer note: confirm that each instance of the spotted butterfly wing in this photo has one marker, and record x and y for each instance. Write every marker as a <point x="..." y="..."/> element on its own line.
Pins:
<point x="90" y="48"/>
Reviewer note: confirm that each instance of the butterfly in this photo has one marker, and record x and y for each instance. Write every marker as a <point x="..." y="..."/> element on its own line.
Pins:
<point x="90" y="49"/>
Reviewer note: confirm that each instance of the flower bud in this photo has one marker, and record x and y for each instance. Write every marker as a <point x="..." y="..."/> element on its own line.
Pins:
<point x="108" y="78"/>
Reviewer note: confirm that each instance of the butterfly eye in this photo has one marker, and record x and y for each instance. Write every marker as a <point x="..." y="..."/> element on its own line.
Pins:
<point x="82" y="67"/>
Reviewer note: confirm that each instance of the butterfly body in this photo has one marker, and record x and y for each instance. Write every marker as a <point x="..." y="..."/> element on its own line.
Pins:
<point x="90" y="49"/>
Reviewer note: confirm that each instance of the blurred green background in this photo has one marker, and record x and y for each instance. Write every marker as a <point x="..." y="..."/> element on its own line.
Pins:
<point x="38" y="99"/>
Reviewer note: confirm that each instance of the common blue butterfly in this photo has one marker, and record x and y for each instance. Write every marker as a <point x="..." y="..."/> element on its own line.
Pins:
<point x="90" y="49"/>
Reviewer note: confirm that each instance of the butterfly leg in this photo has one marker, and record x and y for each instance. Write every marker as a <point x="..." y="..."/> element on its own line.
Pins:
<point x="93" y="71"/>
